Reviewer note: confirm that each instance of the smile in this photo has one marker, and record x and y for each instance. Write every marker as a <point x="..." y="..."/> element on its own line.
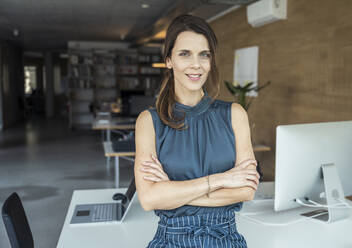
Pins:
<point x="194" y="77"/>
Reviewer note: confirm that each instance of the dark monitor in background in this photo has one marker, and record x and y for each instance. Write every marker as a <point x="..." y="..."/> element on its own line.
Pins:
<point x="139" y="103"/>
<point x="134" y="102"/>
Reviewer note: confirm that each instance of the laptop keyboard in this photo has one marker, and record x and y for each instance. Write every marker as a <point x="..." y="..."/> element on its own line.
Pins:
<point x="103" y="212"/>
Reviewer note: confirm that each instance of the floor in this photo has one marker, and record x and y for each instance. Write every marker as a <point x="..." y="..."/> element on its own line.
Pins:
<point x="43" y="161"/>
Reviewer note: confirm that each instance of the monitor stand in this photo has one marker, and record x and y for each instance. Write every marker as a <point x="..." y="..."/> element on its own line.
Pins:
<point x="334" y="194"/>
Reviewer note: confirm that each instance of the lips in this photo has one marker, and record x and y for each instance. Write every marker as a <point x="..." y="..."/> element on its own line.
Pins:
<point x="194" y="77"/>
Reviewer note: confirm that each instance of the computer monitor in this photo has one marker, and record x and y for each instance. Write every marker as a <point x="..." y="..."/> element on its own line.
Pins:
<point x="313" y="161"/>
<point x="139" y="103"/>
<point x="134" y="102"/>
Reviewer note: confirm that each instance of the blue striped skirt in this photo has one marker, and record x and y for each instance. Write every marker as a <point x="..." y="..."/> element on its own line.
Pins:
<point x="211" y="230"/>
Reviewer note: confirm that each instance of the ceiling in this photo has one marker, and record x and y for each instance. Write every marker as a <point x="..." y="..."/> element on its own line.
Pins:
<point x="50" y="24"/>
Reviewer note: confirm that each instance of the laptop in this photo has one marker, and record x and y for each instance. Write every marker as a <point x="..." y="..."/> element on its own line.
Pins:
<point x="114" y="212"/>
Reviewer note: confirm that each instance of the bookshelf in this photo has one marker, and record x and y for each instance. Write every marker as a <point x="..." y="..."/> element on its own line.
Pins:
<point x="105" y="88"/>
<point x="81" y="87"/>
<point x="149" y="76"/>
<point x="98" y="78"/>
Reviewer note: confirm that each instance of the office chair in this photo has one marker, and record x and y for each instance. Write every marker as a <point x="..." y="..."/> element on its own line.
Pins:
<point x="16" y="223"/>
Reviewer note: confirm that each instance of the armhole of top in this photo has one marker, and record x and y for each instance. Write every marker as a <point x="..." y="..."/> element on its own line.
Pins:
<point x="229" y="111"/>
<point x="155" y="117"/>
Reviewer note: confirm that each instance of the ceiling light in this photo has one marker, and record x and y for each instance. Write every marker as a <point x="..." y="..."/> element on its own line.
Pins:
<point x="15" y="32"/>
<point x="145" y="6"/>
<point x="159" y="65"/>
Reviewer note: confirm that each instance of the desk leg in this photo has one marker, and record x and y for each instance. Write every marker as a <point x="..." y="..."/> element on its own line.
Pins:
<point x="107" y="162"/>
<point x="108" y="139"/>
<point x="108" y="135"/>
<point x="117" y="172"/>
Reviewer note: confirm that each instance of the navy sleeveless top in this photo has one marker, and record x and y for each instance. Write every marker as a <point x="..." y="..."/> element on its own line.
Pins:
<point x="206" y="147"/>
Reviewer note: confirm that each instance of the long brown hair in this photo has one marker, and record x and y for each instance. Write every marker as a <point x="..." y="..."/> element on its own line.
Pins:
<point x="165" y="102"/>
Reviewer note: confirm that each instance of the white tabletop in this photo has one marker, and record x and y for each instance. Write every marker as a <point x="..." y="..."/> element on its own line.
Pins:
<point x="137" y="229"/>
<point x="140" y="226"/>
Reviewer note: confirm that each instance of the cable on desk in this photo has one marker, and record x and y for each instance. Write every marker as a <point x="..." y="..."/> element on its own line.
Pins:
<point x="341" y="202"/>
<point x="278" y="224"/>
<point x="314" y="204"/>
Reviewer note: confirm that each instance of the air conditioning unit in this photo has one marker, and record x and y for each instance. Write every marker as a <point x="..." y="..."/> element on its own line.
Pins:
<point x="266" y="11"/>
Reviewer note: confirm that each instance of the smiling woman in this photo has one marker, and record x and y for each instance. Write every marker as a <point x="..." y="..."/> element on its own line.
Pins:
<point x="190" y="168"/>
<point x="190" y="61"/>
<point x="190" y="54"/>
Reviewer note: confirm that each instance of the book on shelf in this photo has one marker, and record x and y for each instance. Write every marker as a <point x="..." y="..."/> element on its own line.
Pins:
<point x="126" y="59"/>
<point x="129" y="83"/>
<point x="105" y="70"/>
<point x="149" y="70"/>
<point x="127" y="70"/>
<point x="106" y="82"/>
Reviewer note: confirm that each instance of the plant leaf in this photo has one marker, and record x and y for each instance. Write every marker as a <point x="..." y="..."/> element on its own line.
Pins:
<point x="248" y="85"/>
<point x="230" y="87"/>
<point x="263" y="86"/>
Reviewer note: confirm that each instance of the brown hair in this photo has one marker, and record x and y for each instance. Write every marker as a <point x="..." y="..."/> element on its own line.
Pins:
<point x="165" y="102"/>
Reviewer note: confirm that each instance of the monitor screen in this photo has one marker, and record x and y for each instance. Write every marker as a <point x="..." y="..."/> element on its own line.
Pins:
<point x="138" y="103"/>
<point x="301" y="150"/>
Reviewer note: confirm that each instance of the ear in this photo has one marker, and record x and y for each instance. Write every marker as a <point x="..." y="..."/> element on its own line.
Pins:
<point x="168" y="63"/>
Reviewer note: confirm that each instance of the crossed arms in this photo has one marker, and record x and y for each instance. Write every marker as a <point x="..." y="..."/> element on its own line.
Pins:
<point x="156" y="191"/>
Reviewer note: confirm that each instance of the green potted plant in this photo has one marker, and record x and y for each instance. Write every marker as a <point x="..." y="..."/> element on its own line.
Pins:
<point x="240" y="92"/>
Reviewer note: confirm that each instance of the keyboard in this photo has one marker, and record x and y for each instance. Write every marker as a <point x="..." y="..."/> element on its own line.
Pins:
<point x="103" y="212"/>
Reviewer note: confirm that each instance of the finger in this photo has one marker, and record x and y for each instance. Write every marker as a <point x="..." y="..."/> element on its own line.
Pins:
<point x="152" y="178"/>
<point x="156" y="160"/>
<point x="252" y="185"/>
<point x="149" y="163"/>
<point x="152" y="171"/>
<point x="153" y="165"/>
<point x="253" y="178"/>
<point x="159" y="168"/>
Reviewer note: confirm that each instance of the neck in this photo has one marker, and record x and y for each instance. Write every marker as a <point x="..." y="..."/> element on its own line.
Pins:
<point x="189" y="98"/>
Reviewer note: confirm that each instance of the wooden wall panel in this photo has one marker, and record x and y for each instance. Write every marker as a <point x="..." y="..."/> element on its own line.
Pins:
<point x="308" y="58"/>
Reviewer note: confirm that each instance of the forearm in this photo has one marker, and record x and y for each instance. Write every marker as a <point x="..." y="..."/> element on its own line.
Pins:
<point x="174" y="194"/>
<point x="224" y="197"/>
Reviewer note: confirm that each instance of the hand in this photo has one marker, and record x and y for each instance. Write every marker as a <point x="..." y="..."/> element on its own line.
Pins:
<point x="242" y="176"/>
<point x="155" y="170"/>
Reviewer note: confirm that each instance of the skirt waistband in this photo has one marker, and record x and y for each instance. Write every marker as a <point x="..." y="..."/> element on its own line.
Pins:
<point x="200" y="219"/>
<point x="213" y="224"/>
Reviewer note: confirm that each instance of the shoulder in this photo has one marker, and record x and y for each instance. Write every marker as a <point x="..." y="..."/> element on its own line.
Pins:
<point x="239" y="115"/>
<point x="237" y="110"/>
<point x="144" y="120"/>
<point x="144" y="116"/>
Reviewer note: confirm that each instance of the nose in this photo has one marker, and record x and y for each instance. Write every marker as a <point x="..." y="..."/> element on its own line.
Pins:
<point x="195" y="62"/>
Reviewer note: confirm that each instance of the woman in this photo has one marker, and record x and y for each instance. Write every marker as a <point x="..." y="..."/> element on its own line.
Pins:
<point x="190" y="167"/>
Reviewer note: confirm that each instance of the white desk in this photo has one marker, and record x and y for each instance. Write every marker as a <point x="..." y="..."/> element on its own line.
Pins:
<point x="136" y="231"/>
<point x="116" y="123"/>
<point x="140" y="226"/>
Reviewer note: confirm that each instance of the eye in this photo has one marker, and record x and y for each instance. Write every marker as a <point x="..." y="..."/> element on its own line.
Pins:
<point x="184" y="53"/>
<point x="205" y="55"/>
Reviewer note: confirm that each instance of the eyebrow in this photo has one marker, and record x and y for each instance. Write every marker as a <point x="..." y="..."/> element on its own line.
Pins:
<point x="185" y="50"/>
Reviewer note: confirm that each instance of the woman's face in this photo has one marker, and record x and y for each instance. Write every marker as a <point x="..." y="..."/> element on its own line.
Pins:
<point x="190" y="60"/>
